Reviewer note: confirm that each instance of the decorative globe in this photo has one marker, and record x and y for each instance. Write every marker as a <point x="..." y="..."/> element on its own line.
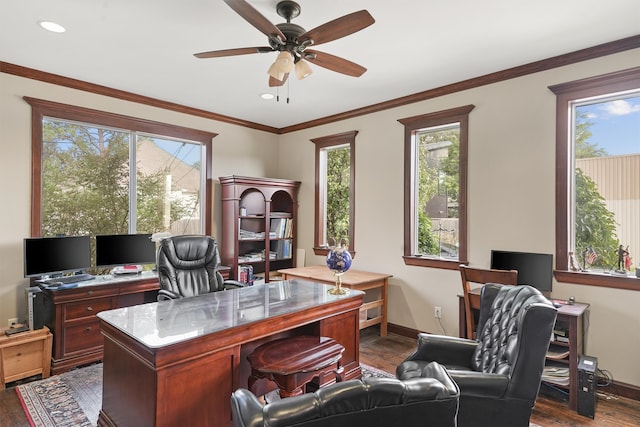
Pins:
<point x="339" y="260"/>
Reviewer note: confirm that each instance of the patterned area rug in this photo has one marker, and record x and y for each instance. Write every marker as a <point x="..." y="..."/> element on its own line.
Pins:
<point x="73" y="398"/>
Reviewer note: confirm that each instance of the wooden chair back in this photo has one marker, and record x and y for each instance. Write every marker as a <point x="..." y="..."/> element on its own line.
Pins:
<point x="481" y="276"/>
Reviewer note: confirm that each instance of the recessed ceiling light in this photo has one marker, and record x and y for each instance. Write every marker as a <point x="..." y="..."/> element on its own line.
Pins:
<point x="266" y="96"/>
<point x="52" y="26"/>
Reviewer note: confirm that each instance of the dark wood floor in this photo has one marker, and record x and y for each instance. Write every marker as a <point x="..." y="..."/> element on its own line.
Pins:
<point x="551" y="408"/>
<point x="387" y="352"/>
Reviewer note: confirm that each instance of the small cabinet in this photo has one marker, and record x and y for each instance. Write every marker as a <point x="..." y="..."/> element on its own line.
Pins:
<point x="258" y="224"/>
<point x="24" y="354"/>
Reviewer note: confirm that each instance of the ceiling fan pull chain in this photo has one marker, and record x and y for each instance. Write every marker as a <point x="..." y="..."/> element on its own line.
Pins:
<point x="288" y="85"/>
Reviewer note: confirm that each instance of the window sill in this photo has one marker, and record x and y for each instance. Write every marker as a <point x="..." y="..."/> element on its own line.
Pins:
<point x="321" y="250"/>
<point x="630" y="282"/>
<point x="424" y="261"/>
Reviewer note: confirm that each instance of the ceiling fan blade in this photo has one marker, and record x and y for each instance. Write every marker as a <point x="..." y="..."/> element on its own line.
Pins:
<point x="334" y="63"/>
<point x="255" y="18"/>
<point x="233" y="52"/>
<point x="339" y="27"/>
<point x="273" y="82"/>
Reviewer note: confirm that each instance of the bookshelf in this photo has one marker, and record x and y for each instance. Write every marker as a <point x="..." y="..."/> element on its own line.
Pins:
<point x="565" y="349"/>
<point x="258" y="225"/>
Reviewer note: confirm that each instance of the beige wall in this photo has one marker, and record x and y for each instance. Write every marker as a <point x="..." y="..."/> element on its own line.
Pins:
<point x="511" y="193"/>
<point x="511" y="203"/>
<point x="236" y="150"/>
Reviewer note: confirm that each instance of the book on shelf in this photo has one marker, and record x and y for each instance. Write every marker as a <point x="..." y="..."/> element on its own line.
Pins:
<point x="277" y="214"/>
<point x="556" y="374"/>
<point x="280" y="228"/>
<point x="255" y="256"/>
<point x="557" y="353"/>
<point x="287" y="228"/>
<point x="282" y="249"/>
<point x="250" y="235"/>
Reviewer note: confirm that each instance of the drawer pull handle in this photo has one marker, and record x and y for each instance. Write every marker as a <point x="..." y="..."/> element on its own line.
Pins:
<point x="89" y="292"/>
<point x="89" y="308"/>
<point x="88" y="329"/>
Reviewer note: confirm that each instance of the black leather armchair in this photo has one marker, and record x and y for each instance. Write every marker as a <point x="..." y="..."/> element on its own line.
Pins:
<point x="371" y="402"/>
<point x="187" y="266"/>
<point x="499" y="372"/>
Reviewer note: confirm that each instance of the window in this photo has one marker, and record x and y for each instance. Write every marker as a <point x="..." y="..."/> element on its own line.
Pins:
<point x="84" y="182"/>
<point x="598" y="191"/>
<point x="435" y="225"/>
<point x="335" y="192"/>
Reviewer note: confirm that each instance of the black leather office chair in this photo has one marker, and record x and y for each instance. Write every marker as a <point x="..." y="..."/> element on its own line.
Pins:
<point x="371" y="402"/>
<point x="499" y="372"/>
<point x="187" y="266"/>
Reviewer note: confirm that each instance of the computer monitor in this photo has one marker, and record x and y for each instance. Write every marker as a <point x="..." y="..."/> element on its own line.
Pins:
<point x="115" y="250"/>
<point x="46" y="256"/>
<point x="534" y="269"/>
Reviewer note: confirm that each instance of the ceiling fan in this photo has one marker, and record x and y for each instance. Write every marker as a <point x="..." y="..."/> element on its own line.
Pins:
<point x="292" y="41"/>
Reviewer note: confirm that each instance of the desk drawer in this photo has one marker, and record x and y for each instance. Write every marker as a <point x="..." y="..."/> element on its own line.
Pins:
<point x="87" y="308"/>
<point x="82" y="336"/>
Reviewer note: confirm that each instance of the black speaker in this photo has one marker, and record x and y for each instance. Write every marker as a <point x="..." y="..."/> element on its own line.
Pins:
<point x="587" y="384"/>
<point x="37" y="308"/>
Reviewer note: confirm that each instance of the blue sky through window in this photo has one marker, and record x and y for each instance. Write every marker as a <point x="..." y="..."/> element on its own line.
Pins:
<point x="615" y="125"/>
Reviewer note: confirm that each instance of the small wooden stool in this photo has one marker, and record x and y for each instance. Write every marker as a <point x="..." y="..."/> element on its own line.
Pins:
<point x="293" y="362"/>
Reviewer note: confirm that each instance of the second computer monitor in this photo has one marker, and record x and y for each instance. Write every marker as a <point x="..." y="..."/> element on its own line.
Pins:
<point x="124" y="249"/>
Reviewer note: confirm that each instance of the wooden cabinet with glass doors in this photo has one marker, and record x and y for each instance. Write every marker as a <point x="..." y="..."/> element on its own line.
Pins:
<point x="258" y="225"/>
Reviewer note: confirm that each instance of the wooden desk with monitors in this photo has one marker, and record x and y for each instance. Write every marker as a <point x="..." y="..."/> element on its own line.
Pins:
<point x="353" y="279"/>
<point x="71" y="314"/>
<point x="177" y="362"/>
<point x="564" y="350"/>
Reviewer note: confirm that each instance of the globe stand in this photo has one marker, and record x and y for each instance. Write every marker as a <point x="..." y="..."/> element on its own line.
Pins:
<point x="338" y="289"/>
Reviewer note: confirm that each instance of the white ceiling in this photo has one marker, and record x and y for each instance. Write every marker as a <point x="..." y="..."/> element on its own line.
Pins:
<point x="146" y="47"/>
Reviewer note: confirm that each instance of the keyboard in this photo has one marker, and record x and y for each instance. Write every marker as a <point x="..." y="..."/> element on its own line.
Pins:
<point x="65" y="280"/>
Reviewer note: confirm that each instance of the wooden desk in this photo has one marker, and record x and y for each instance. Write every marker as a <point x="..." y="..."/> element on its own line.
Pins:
<point x="353" y="279"/>
<point x="24" y="354"/>
<point x="570" y="317"/>
<point x="176" y="362"/>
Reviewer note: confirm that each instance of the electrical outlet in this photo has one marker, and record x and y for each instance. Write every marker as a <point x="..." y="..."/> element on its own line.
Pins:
<point x="437" y="312"/>
<point x="12" y="322"/>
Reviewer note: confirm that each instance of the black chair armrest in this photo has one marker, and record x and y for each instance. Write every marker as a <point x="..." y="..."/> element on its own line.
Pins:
<point x="246" y="409"/>
<point x="233" y="284"/>
<point x="444" y="350"/>
<point x="480" y="384"/>
<point x="165" y="295"/>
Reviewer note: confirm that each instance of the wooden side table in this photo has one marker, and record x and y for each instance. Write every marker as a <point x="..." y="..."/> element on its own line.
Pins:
<point x="24" y="354"/>
<point x="293" y="362"/>
<point x="354" y="279"/>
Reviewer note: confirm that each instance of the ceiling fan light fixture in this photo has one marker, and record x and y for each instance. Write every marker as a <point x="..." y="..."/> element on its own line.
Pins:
<point x="303" y="70"/>
<point x="276" y="72"/>
<point x="285" y="61"/>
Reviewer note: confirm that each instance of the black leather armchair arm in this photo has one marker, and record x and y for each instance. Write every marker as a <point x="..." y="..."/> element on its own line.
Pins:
<point x="480" y="384"/>
<point x="445" y="350"/>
